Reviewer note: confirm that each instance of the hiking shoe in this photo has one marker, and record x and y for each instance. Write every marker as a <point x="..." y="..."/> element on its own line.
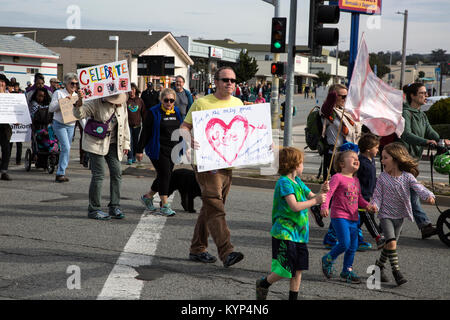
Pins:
<point x="98" y="215"/>
<point x="202" y="257"/>
<point x="233" y="258"/>
<point x="5" y="177"/>
<point x="380" y="243"/>
<point x="364" y="246"/>
<point x="129" y="162"/>
<point x="165" y="210"/>
<point x="148" y="203"/>
<point x="428" y="231"/>
<point x="261" y="293"/>
<point x="116" y="213"/>
<point x="383" y="275"/>
<point x="316" y="214"/>
<point x="399" y="279"/>
<point x="327" y="266"/>
<point x="350" y="277"/>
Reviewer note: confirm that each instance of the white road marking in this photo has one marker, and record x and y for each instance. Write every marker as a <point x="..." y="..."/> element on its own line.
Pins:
<point x="139" y="251"/>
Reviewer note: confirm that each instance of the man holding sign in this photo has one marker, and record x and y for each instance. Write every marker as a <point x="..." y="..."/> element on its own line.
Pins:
<point x="215" y="184"/>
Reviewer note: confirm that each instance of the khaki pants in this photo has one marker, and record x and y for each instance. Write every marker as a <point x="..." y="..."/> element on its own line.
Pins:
<point x="214" y="186"/>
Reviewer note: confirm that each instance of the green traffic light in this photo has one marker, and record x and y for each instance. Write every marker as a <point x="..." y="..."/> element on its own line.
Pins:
<point x="277" y="45"/>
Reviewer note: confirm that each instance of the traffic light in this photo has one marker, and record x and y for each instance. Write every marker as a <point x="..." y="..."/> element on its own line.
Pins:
<point x="318" y="35"/>
<point x="277" y="68"/>
<point x="278" y="39"/>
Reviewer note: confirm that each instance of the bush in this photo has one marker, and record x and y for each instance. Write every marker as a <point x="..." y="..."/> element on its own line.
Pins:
<point x="443" y="130"/>
<point x="439" y="113"/>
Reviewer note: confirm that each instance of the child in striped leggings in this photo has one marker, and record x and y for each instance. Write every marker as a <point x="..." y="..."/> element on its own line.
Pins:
<point x="392" y="199"/>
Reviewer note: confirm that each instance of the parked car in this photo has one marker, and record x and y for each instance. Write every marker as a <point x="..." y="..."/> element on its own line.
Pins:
<point x="431" y="101"/>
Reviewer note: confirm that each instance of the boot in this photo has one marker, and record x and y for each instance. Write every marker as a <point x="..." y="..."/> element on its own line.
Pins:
<point x="383" y="275"/>
<point x="399" y="279"/>
<point x="428" y="231"/>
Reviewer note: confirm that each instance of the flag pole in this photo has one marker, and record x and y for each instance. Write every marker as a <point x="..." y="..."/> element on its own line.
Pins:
<point x="335" y="144"/>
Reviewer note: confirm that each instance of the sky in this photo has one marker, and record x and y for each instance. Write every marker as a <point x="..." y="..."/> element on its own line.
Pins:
<point x="240" y="20"/>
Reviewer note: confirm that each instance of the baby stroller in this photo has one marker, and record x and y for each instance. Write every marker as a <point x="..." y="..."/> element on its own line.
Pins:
<point x="441" y="163"/>
<point x="44" y="152"/>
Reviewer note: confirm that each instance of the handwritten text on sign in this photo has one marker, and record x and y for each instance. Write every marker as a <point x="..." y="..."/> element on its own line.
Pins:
<point x="235" y="136"/>
<point x="105" y="80"/>
<point x="14" y="108"/>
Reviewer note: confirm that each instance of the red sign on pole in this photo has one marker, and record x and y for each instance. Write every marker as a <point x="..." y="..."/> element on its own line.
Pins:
<point x="361" y="6"/>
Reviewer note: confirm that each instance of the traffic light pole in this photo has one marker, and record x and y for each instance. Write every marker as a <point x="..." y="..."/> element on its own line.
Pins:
<point x="274" y="95"/>
<point x="290" y="76"/>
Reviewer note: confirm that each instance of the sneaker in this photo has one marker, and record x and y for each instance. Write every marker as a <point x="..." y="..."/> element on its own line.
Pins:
<point x="165" y="210"/>
<point x="261" y="293"/>
<point x="364" y="246"/>
<point x="233" y="258"/>
<point x="399" y="279"/>
<point x="116" y="213"/>
<point x="316" y="214"/>
<point x="350" y="277"/>
<point x="202" y="257"/>
<point x="428" y="231"/>
<point x="380" y="242"/>
<point x="134" y="160"/>
<point x="329" y="245"/>
<point x="148" y="203"/>
<point x="327" y="266"/>
<point x="98" y="215"/>
<point x="129" y="162"/>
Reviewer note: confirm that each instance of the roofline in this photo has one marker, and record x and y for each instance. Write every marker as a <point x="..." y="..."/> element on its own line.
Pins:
<point x="177" y="45"/>
<point x="38" y="56"/>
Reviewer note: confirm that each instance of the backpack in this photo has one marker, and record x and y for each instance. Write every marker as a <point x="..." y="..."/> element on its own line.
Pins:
<point x="313" y="131"/>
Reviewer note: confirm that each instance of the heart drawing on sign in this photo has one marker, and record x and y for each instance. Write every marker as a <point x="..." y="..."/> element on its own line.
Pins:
<point x="227" y="140"/>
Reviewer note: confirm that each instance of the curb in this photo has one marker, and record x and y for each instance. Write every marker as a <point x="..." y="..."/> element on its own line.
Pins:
<point x="442" y="201"/>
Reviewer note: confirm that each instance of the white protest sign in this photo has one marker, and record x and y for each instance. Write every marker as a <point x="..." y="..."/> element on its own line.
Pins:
<point x="104" y="80"/>
<point x="235" y="136"/>
<point x="14" y="108"/>
<point x="21" y="133"/>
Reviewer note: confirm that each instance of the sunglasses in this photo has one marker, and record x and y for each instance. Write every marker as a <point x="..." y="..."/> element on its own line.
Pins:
<point x="74" y="83"/>
<point x="169" y="100"/>
<point x="342" y="96"/>
<point x="228" y="80"/>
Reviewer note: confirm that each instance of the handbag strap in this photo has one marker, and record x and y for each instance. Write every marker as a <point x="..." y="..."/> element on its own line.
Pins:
<point x="109" y="120"/>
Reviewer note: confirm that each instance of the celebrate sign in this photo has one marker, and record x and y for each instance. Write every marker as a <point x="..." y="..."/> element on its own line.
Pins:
<point x="104" y="80"/>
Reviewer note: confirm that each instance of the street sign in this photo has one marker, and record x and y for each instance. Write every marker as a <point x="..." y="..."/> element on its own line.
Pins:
<point x="361" y="6"/>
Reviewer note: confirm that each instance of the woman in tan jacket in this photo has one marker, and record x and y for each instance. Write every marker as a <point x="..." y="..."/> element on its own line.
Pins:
<point x="112" y="147"/>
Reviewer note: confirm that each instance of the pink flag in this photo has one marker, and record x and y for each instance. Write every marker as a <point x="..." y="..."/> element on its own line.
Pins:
<point x="373" y="102"/>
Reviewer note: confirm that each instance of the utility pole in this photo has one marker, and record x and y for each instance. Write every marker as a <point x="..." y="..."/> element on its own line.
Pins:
<point x="274" y="98"/>
<point x="337" y="63"/>
<point x="405" y="21"/>
<point x="287" y="141"/>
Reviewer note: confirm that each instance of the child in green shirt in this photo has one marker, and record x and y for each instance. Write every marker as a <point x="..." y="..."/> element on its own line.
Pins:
<point x="290" y="227"/>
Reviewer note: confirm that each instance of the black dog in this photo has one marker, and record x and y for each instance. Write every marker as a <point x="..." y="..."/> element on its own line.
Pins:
<point x="184" y="181"/>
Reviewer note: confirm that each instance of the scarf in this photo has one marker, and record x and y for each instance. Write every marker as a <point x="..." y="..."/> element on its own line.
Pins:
<point x="167" y="112"/>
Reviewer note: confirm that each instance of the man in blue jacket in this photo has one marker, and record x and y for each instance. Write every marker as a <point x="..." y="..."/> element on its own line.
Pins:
<point x="184" y="96"/>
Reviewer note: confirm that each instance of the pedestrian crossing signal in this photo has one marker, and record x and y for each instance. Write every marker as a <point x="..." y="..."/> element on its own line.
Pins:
<point x="277" y="68"/>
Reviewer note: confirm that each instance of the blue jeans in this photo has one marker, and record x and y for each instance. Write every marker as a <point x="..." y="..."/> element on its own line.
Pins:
<point x="64" y="133"/>
<point x="420" y="217"/>
<point x="347" y="234"/>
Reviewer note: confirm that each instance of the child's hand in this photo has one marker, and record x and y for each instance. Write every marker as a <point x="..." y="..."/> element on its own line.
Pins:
<point x="321" y="198"/>
<point x="430" y="200"/>
<point x="372" y="208"/>
<point x="325" y="187"/>
<point x="324" y="212"/>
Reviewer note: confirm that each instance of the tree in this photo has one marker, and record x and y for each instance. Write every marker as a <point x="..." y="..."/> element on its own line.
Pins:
<point x="382" y="69"/>
<point x="438" y="55"/>
<point x="323" y="78"/>
<point x="247" y="69"/>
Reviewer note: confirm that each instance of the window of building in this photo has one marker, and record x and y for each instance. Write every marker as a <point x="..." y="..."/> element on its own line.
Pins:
<point x="32" y="70"/>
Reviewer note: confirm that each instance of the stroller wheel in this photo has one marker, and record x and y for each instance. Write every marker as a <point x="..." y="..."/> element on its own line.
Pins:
<point x="443" y="227"/>
<point x="27" y="161"/>
<point x="51" y="164"/>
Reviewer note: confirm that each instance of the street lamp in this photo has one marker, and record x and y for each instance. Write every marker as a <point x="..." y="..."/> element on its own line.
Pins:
<point x="405" y="20"/>
<point x="115" y="38"/>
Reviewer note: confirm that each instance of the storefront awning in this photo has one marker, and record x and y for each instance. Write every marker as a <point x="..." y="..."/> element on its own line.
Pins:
<point x="305" y="74"/>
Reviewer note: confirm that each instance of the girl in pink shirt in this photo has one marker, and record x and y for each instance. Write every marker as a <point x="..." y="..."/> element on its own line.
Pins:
<point x="347" y="198"/>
